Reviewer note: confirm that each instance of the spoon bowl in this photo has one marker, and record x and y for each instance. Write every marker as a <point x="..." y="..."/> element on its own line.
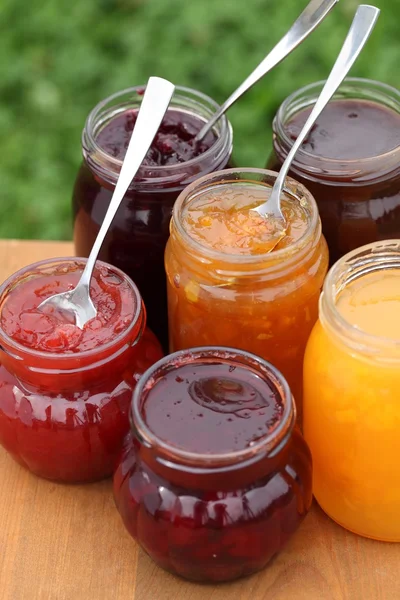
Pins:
<point x="77" y="304"/>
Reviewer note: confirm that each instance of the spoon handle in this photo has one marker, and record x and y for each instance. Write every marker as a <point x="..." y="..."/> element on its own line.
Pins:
<point x="361" y="28"/>
<point x="154" y="105"/>
<point x="311" y="16"/>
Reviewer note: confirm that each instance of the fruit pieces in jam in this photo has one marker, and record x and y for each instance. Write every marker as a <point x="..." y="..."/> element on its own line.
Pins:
<point x="140" y="230"/>
<point x="218" y="518"/>
<point x="48" y="330"/>
<point x="174" y="142"/>
<point x="224" y="221"/>
<point x="265" y="303"/>
<point x="64" y="405"/>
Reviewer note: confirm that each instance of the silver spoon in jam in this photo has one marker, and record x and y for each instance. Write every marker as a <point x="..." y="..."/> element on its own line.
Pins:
<point x="154" y="105"/>
<point x="311" y="16"/>
<point x="359" y="32"/>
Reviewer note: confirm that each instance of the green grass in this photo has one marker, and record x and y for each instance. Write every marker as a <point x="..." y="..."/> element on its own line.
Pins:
<point x="59" y="58"/>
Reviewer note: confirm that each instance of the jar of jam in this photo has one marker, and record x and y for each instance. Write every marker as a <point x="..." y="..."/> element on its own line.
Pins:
<point x="350" y="161"/>
<point x="227" y="282"/>
<point x="137" y="237"/>
<point x="351" y="392"/>
<point x="215" y="476"/>
<point x="65" y="392"/>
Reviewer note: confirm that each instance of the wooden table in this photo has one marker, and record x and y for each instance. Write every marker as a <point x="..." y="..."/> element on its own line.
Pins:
<point x="61" y="542"/>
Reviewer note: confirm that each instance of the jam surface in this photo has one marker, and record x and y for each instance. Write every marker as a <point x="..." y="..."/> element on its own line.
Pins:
<point x="372" y="303"/>
<point x="173" y="144"/>
<point x="223" y="220"/>
<point x="46" y="330"/>
<point x="212" y="408"/>
<point x="349" y="130"/>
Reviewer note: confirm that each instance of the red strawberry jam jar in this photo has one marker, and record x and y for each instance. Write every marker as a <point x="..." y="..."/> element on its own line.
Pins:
<point x="65" y="392"/>
<point x="214" y="477"/>
<point x="137" y="237"/>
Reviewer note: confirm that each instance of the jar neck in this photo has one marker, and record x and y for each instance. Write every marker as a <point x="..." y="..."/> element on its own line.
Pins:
<point x="336" y="171"/>
<point x="165" y="457"/>
<point x="177" y="176"/>
<point x="363" y="261"/>
<point x="223" y="267"/>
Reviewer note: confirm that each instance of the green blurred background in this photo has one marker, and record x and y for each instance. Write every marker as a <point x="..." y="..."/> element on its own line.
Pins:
<point x="59" y="58"/>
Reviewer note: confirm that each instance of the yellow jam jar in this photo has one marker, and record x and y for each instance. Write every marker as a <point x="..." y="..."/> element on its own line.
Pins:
<point x="351" y="395"/>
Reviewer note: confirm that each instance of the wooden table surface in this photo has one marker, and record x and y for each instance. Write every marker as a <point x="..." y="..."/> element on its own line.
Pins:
<point x="60" y="542"/>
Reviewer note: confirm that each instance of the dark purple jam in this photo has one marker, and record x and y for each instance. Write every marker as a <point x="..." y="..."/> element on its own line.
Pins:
<point x="349" y="130"/>
<point x="173" y="144"/>
<point x="212" y="408"/>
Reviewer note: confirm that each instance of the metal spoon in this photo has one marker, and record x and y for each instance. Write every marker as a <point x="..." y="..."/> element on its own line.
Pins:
<point x="152" y="110"/>
<point x="311" y="16"/>
<point x="359" y="32"/>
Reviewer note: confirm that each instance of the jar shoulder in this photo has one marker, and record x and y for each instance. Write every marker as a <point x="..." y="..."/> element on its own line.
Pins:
<point x="289" y="480"/>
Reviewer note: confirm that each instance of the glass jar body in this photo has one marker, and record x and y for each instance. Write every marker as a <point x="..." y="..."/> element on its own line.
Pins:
<point x="215" y="526"/>
<point x="358" y="201"/>
<point x="267" y="307"/>
<point x="138" y="235"/>
<point x="64" y="417"/>
<point x="351" y="422"/>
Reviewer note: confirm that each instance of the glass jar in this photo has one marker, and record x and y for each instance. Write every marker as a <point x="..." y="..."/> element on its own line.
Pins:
<point x="213" y="517"/>
<point x="136" y="240"/>
<point x="352" y="408"/>
<point x="358" y="200"/>
<point x="266" y="304"/>
<point x="63" y="416"/>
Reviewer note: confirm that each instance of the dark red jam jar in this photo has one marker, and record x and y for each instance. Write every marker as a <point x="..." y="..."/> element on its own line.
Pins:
<point x="350" y="162"/>
<point x="214" y="477"/>
<point x="65" y="393"/>
<point x="138" y="235"/>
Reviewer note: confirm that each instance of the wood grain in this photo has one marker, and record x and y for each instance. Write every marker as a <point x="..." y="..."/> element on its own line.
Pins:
<point x="62" y="542"/>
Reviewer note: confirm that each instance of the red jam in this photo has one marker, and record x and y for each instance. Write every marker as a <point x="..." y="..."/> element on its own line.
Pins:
<point x="44" y="329"/>
<point x="173" y="144"/>
<point x="215" y="478"/>
<point x="65" y="393"/>
<point x="226" y="408"/>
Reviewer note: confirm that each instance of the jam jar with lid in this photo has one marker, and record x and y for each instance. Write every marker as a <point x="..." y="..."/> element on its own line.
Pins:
<point x="350" y="161"/>
<point x="139" y="232"/>
<point x="215" y="477"/>
<point x="65" y="392"/>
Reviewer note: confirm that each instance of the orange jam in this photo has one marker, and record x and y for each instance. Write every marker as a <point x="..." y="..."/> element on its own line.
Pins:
<point x="372" y="303"/>
<point x="225" y="221"/>
<point x="237" y="279"/>
<point x="351" y="395"/>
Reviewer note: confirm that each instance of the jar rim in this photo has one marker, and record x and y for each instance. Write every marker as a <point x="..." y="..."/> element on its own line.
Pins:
<point x="349" y="83"/>
<point x="59" y="356"/>
<point x="367" y="256"/>
<point x="277" y="437"/>
<point x="180" y="91"/>
<point x="298" y="191"/>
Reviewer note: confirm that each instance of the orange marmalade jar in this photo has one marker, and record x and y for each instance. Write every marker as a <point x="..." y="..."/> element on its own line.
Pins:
<point x="226" y="283"/>
<point x="351" y="392"/>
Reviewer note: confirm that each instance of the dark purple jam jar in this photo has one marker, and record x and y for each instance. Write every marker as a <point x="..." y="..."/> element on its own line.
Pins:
<point x="138" y="235"/>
